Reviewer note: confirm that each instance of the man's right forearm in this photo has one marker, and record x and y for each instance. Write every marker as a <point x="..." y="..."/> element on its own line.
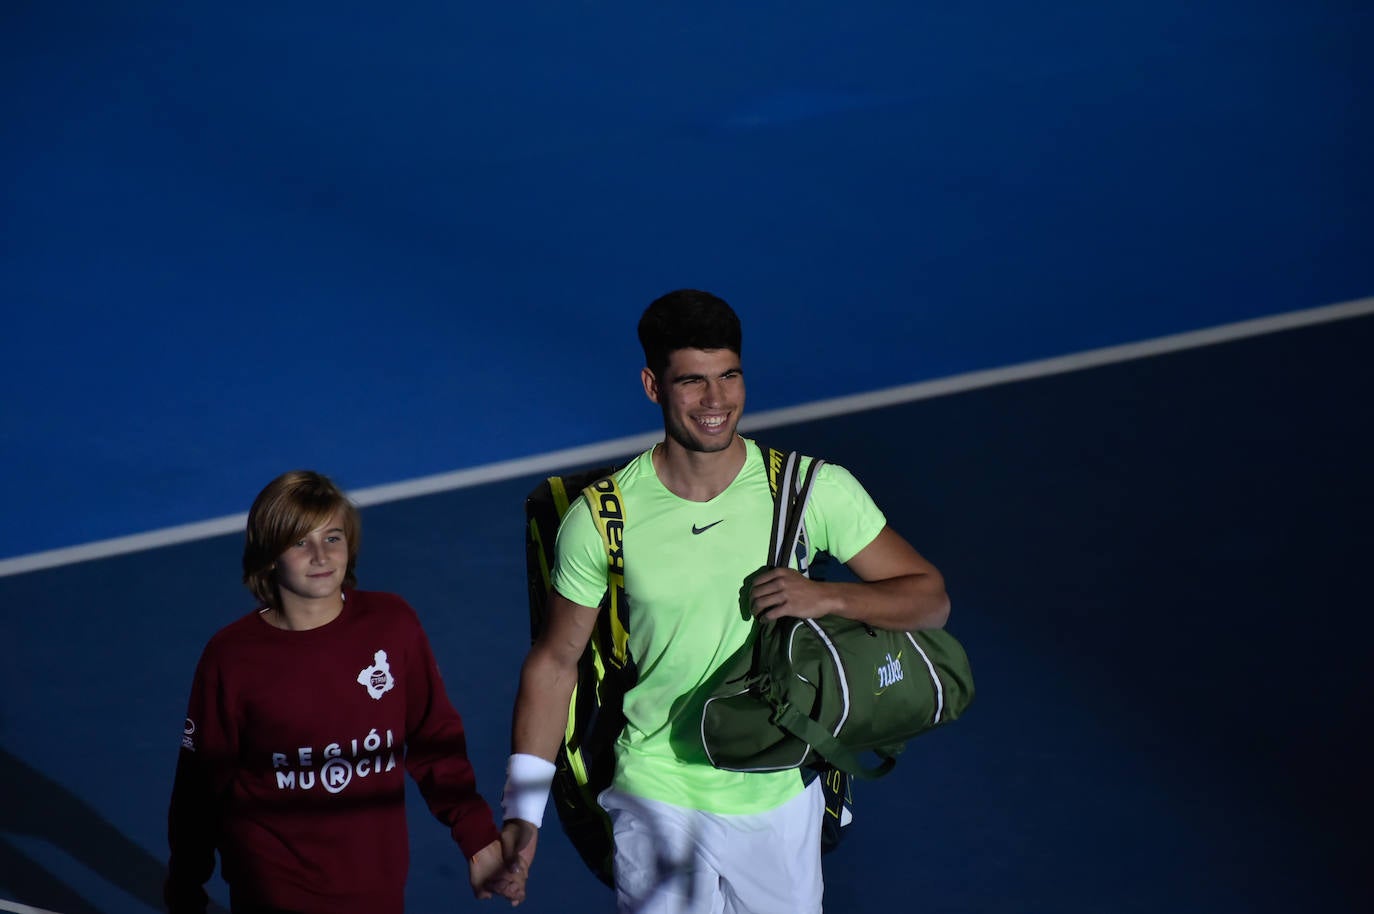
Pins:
<point x="541" y="714"/>
<point x="541" y="704"/>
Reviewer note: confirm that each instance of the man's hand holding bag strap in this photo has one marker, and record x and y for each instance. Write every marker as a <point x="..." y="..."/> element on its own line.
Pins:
<point x="816" y="692"/>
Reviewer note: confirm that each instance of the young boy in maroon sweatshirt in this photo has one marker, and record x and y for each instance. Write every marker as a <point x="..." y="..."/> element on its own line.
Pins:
<point x="303" y="719"/>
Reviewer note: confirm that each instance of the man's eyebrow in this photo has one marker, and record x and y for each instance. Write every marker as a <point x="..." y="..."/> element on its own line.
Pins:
<point x="700" y="375"/>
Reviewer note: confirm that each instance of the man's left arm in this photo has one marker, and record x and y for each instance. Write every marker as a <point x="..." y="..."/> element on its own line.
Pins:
<point x="897" y="589"/>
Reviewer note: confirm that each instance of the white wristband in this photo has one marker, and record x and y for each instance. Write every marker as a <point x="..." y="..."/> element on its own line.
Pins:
<point x="528" y="779"/>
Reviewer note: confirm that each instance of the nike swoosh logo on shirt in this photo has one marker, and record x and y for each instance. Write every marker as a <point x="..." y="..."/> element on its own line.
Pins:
<point x="696" y="529"/>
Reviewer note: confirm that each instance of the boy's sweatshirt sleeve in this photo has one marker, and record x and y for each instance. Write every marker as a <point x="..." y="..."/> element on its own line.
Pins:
<point x="202" y="776"/>
<point x="437" y="756"/>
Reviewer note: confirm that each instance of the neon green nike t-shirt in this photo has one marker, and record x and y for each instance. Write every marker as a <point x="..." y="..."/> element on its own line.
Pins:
<point x="685" y="568"/>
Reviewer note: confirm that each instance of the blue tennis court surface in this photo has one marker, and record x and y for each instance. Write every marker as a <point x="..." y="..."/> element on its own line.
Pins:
<point x="400" y="243"/>
<point x="1156" y="567"/>
<point x="393" y="243"/>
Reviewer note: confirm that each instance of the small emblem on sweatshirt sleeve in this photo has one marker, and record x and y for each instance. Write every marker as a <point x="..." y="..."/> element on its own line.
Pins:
<point x="377" y="679"/>
<point x="187" y="735"/>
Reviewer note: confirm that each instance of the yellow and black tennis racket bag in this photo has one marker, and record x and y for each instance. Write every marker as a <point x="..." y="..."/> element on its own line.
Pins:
<point x="605" y="672"/>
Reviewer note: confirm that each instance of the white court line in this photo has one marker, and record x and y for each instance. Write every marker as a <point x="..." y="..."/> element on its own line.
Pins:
<point x="606" y="451"/>
<point x="18" y="908"/>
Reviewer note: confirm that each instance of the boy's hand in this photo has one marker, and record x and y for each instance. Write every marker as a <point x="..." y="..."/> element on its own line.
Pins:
<point x="488" y="876"/>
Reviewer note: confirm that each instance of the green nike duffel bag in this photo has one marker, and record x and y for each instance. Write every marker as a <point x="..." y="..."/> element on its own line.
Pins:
<point x="822" y="691"/>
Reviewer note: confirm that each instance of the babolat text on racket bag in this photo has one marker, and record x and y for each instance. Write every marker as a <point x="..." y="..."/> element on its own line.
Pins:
<point x="819" y="692"/>
<point x="586" y="759"/>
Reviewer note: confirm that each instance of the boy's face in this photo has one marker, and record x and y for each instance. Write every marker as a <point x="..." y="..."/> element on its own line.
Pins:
<point x="701" y="392"/>
<point x="313" y="568"/>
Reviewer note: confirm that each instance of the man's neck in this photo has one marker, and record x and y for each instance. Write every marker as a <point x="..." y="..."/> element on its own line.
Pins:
<point x="698" y="476"/>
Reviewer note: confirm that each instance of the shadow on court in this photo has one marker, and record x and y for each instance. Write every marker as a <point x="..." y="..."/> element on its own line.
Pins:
<point x="38" y="807"/>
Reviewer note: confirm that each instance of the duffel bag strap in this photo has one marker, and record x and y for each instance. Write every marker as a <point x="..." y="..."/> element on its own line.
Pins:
<point x="791" y="495"/>
<point x="807" y="730"/>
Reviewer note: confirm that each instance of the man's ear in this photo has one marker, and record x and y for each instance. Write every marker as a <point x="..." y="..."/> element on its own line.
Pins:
<point x="650" y="385"/>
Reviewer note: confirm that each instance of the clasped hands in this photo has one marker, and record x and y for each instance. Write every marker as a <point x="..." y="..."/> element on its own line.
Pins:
<point x="503" y="867"/>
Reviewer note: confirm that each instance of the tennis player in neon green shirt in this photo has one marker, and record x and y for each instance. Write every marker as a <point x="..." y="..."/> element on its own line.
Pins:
<point x="698" y="512"/>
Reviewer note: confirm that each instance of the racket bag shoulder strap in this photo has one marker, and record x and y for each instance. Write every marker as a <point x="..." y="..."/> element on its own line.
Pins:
<point x="586" y="761"/>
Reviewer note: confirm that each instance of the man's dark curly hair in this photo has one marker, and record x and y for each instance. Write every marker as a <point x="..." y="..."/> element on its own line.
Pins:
<point x="686" y="319"/>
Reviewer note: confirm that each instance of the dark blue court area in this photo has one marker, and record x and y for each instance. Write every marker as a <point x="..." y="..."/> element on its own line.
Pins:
<point x="1158" y="568"/>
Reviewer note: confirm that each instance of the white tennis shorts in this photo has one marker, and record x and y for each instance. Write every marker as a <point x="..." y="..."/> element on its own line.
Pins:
<point x="672" y="860"/>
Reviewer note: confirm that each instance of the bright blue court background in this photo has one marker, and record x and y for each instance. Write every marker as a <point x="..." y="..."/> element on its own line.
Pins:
<point x="397" y="242"/>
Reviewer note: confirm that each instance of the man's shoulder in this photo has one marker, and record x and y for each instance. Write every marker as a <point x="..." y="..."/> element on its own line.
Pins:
<point x="636" y="471"/>
<point x="773" y="459"/>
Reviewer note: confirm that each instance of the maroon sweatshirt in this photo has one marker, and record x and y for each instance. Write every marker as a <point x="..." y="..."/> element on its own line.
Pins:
<point x="293" y="758"/>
